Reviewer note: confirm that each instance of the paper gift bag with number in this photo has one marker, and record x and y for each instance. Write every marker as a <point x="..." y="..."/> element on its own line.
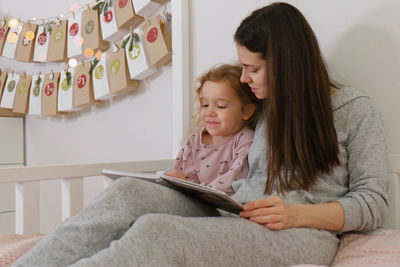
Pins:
<point x="35" y="95"/>
<point x="118" y="73"/>
<point x="65" y="91"/>
<point x="10" y="46"/>
<point x="136" y="56"/>
<point x="57" y="50"/>
<point x="158" y="42"/>
<point x="101" y="87"/>
<point x="25" y="44"/>
<point x="22" y="94"/>
<point x="49" y="94"/>
<point x="3" y="33"/>
<point x="146" y="8"/>
<point x="108" y="22"/>
<point x="7" y="100"/>
<point x="126" y="16"/>
<point x="91" y="31"/>
<point x="75" y="40"/>
<point x="83" y="87"/>
<point x="41" y="44"/>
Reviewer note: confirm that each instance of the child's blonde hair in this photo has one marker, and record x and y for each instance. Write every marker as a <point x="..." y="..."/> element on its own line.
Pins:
<point x="230" y="75"/>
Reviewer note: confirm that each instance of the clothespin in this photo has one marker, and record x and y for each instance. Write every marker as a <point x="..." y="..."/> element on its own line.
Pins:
<point x="51" y="75"/>
<point x="73" y="14"/>
<point x="2" y="21"/>
<point x="115" y="47"/>
<point x="147" y="20"/>
<point x="24" y="75"/>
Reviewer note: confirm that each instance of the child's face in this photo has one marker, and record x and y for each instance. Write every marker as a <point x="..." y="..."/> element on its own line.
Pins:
<point x="221" y="111"/>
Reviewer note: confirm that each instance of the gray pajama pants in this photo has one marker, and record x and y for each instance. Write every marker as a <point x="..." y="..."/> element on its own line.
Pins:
<point x="137" y="223"/>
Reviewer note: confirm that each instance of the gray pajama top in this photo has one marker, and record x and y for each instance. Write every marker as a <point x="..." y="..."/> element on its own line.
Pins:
<point x="359" y="184"/>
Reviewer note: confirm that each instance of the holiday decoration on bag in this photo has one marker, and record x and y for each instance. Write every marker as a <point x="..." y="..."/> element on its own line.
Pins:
<point x="126" y="15"/>
<point x="35" y="95"/>
<point x="136" y="56"/>
<point x="65" y="91"/>
<point x="3" y="33"/>
<point x="83" y="87"/>
<point x="49" y="94"/>
<point x="157" y="40"/>
<point x="91" y="33"/>
<point x="108" y="21"/>
<point x="98" y="71"/>
<point x="10" y="46"/>
<point x="22" y="94"/>
<point x="42" y="43"/>
<point x="57" y="50"/>
<point x="117" y="69"/>
<point x="146" y="8"/>
<point x="75" y="40"/>
<point x="25" y="45"/>
<point x="7" y="100"/>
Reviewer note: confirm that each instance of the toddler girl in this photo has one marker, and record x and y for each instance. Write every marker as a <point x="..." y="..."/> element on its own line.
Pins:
<point x="217" y="155"/>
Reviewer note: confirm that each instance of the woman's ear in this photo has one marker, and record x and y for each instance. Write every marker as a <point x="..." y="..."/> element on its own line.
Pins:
<point x="248" y="111"/>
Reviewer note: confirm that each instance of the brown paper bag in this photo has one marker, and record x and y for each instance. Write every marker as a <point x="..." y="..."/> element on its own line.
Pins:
<point x="3" y="35"/>
<point x="83" y="86"/>
<point x="3" y="79"/>
<point x="57" y="50"/>
<point x="25" y="46"/>
<point x="158" y="42"/>
<point x="118" y="73"/>
<point x="91" y="31"/>
<point x="22" y="94"/>
<point x="126" y="17"/>
<point x="49" y="94"/>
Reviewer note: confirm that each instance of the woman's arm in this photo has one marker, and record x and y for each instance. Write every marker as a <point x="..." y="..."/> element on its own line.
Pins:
<point x="275" y="214"/>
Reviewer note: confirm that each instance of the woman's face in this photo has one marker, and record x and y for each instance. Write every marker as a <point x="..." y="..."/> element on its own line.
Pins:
<point x="254" y="71"/>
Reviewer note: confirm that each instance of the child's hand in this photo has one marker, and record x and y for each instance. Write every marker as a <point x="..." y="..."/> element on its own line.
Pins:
<point x="176" y="174"/>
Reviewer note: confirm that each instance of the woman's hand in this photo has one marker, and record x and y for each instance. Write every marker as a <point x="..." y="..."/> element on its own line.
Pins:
<point x="271" y="212"/>
<point x="176" y="174"/>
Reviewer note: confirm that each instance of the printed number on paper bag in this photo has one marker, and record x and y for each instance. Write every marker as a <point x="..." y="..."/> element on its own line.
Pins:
<point x="2" y="32"/>
<point x="36" y="90"/>
<point x="135" y="53"/>
<point x="114" y="67"/>
<point x="48" y="90"/>
<point x="42" y="39"/>
<point x="108" y="16"/>
<point x="13" y="38"/>
<point x="122" y="3"/>
<point x="22" y="89"/>
<point x="74" y="29"/>
<point x="58" y="35"/>
<point x="64" y="85"/>
<point x="89" y="26"/>
<point x="81" y="81"/>
<point x="11" y="86"/>
<point x="152" y="35"/>
<point x="99" y="72"/>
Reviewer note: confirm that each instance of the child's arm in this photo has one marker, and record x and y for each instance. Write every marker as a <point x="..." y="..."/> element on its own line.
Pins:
<point x="183" y="167"/>
<point x="238" y="167"/>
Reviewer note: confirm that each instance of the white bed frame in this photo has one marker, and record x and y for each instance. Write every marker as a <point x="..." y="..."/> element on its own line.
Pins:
<point x="27" y="179"/>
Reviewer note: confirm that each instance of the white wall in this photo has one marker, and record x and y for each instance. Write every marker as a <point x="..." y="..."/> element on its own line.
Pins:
<point x="136" y="126"/>
<point x="360" y="41"/>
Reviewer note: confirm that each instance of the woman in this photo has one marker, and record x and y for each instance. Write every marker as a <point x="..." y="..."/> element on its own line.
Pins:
<point x="317" y="168"/>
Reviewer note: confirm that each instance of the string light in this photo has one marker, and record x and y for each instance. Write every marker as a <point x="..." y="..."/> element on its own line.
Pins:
<point x="13" y="38"/>
<point x="73" y="62"/>
<point x="74" y="7"/>
<point x="12" y="23"/>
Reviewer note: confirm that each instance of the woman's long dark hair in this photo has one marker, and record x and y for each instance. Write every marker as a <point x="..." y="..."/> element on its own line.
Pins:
<point x="301" y="137"/>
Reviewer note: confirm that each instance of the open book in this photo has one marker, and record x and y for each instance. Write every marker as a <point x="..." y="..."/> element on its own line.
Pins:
<point x="212" y="196"/>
